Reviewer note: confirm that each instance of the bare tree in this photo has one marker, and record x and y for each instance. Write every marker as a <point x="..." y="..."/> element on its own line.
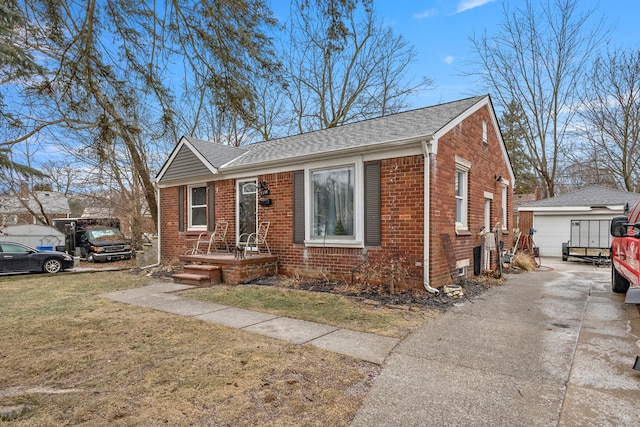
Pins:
<point x="107" y="71"/>
<point x="343" y="65"/>
<point x="537" y="59"/>
<point x="611" y="114"/>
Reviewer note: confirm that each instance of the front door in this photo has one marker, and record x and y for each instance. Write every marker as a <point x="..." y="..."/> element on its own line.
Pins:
<point x="247" y="207"/>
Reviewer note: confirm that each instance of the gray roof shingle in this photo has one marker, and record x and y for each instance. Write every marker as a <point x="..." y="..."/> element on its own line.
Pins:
<point x="400" y="126"/>
<point x="52" y="203"/>
<point x="216" y="154"/>
<point x="594" y="195"/>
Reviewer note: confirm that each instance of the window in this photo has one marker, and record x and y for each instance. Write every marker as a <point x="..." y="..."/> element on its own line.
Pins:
<point x="485" y="139"/>
<point x="14" y="248"/>
<point x="504" y="208"/>
<point x="198" y="208"/>
<point x="461" y="185"/>
<point x="333" y="202"/>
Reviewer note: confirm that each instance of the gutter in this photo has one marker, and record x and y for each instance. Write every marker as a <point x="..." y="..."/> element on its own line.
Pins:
<point x="382" y="146"/>
<point x="426" y="151"/>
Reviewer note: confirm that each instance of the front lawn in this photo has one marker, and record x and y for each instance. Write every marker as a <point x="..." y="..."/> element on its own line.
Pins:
<point x="327" y="308"/>
<point x="71" y="357"/>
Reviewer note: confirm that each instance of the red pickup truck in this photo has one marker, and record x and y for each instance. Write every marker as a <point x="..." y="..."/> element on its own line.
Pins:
<point x="625" y="255"/>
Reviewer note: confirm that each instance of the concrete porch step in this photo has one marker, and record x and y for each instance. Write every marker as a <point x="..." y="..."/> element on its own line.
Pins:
<point x="214" y="272"/>
<point x="200" y="280"/>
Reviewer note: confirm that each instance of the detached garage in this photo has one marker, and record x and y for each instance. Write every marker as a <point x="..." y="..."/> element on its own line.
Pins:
<point x="554" y="218"/>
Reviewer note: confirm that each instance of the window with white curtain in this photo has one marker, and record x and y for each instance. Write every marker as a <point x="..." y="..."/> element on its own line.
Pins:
<point x="333" y="202"/>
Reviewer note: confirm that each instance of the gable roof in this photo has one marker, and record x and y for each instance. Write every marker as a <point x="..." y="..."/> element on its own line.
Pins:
<point x="194" y="157"/>
<point x="52" y="203"/>
<point x="381" y="130"/>
<point x="593" y="196"/>
<point x="384" y="132"/>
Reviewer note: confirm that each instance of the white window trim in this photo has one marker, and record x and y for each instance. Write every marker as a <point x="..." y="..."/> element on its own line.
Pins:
<point x="463" y="165"/>
<point x="505" y="217"/>
<point x="190" y="208"/>
<point x="355" y="241"/>
<point x="244" y="181"/>
<point x="462" y="267"/>
<point x="485" y="138"/>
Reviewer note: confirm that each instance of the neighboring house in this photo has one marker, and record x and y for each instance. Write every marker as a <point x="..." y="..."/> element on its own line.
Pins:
<point x="18" y="210"/>
<point x="336" y="196"/>
<point x="551" y="218"/>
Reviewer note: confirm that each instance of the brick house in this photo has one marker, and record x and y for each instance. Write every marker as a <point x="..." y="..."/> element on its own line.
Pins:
<point x="30" y="208"/>
<point x="338" y="196"/>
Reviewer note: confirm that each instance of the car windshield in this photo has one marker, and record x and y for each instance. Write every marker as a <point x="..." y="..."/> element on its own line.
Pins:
<point x="106" y="234"/>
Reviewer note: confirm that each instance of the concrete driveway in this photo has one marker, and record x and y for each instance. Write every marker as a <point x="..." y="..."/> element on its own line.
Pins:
<point x="553" y="347"/>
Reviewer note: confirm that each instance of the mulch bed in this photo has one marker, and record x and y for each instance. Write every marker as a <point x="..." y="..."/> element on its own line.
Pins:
<point x="380" y="295"/>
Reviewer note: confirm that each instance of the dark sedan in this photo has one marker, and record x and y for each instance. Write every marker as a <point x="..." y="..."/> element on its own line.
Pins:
<point x="15" y="257"/>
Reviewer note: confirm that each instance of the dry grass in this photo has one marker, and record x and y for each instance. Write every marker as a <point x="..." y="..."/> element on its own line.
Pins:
<point x="329" y="309"/>
<point x="524" y="262"/>
<point x="77" y="359"/>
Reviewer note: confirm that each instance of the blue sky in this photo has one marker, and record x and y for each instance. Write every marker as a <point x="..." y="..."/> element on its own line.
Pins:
<point x="440" y="32"/>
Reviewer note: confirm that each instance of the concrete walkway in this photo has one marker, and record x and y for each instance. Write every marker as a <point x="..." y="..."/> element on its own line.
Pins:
<point x="369" y="347"/>
<point x="552" y="347"/>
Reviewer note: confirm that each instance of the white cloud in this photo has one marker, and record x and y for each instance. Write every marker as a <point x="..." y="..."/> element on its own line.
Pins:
<point x="448" y="59"/>
<point x="465" y="5"/>
<point x="426" y="14"/>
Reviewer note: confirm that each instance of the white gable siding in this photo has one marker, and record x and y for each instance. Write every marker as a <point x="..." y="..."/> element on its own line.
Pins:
<point x="185" y="165"/>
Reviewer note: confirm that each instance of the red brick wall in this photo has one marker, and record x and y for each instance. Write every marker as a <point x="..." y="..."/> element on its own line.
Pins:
<point x="526" y="221"/>
<point x="402" y="221"/>
<point x="487" y="162"/>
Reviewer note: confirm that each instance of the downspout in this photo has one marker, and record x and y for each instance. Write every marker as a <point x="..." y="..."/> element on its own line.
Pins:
<point x="426" y="151"/>
<point x="157" y="263"/>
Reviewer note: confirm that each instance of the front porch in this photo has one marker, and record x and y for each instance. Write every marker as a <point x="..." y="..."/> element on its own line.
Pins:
<point x="206" y="270"/>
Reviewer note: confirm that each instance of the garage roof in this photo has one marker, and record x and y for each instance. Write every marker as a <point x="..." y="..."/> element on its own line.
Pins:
<point x="592" y="196"/>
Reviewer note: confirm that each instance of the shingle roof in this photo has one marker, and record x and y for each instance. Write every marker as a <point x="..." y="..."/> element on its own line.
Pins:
<point x="594" y="195"/>
<point x="52" y="203"/>
<point x="216" y="154"/>
<point x="400" y="126"/>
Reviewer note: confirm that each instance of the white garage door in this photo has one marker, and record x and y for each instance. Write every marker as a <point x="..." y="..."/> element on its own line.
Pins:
<point x="554" y="230"/>
<point x="551" y="232"/>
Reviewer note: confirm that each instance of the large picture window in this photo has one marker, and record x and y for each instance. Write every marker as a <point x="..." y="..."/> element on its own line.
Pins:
<point x="198" y="207"/>
<point x="333" y="202"/>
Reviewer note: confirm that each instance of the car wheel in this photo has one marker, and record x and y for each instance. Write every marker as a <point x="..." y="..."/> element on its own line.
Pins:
<point x="619" y="284"/>
<point x="52" y="265"/>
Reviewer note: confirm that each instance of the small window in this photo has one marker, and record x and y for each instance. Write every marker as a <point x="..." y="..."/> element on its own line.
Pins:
<point x="504" y="208"/>
<point x="333" y="202"/>
<point x="198" y="208"/>
<point x="461" y="186"/>
<point x="462" y="192"/>
<point x="485" y="139"/>
<point x="462" y="271"/>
